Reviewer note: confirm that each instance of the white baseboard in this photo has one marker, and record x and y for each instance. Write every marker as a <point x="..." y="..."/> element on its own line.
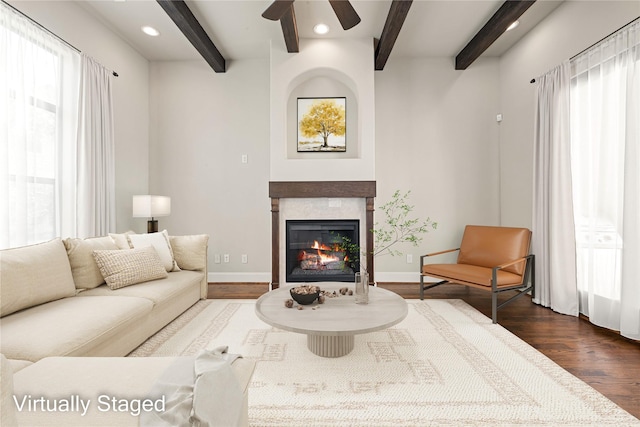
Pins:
<point x="402" y="277"/>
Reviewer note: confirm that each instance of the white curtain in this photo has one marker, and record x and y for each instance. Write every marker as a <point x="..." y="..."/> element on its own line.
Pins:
<point x="96" y="170"/>
<point x="605" y="114"/>
<point x="38" y="111"/>
<point x="553" y="241"/>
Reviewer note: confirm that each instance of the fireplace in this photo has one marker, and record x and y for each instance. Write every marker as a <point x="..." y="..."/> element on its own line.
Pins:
<point x="321" y="250"/>
<point x="330" y="200"/>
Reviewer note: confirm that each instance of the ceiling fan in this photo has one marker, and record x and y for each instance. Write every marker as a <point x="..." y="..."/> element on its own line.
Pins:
<point x="343" y="9"/>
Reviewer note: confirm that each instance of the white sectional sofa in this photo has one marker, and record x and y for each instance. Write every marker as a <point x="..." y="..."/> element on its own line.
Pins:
<point x="97" y="381"/>
<point x="55" y="304"/>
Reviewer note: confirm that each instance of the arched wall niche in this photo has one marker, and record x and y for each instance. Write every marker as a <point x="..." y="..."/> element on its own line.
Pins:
<point x="323" y="68"/>
<point x="323" y="83"/>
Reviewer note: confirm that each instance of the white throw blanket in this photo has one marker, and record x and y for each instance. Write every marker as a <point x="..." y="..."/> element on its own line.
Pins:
<point x="199" y="392"/>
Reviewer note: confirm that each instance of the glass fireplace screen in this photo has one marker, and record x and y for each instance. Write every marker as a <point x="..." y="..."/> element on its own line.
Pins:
<point x="322" y="250"/>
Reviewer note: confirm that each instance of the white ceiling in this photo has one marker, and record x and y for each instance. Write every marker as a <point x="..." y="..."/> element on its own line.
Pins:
<point x="433" y="28"/>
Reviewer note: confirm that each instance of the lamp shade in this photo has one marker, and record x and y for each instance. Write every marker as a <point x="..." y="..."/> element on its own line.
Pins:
<point x="151" y="206"/>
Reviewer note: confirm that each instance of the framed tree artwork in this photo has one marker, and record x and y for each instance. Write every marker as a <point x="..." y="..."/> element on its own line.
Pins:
<point x="322" y="124"/>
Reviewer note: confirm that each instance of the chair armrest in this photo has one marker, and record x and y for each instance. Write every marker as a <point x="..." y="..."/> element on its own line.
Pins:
<point x="494" y="272"/>
<point x="422" y="257"/>
<point x="512" y="263"/>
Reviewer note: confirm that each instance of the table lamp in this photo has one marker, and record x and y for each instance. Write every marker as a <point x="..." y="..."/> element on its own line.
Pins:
<point x="151" y="206"/>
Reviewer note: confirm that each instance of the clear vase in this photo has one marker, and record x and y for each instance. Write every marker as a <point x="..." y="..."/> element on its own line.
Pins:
<point x="362" y="288"/>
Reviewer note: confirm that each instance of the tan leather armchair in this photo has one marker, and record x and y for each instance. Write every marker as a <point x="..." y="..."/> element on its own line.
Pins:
<point x="495" y="259"/>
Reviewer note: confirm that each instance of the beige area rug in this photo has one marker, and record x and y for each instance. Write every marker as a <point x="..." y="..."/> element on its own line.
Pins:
<point x="446" y="364"/>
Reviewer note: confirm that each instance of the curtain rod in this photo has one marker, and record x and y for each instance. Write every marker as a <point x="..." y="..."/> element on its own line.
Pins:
<point x="599" y="41"/>
<point x="602" y="39"/>
<point x="50" y="32"/>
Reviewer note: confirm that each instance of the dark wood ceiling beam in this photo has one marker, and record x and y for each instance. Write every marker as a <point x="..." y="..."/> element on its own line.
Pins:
<point x="277" y="9"/>
<point x="345" y="13"/>
<point x="182" y="16"/>
<point x="509" y="12"/>
<point x="395" y="19"/>
<point x="290" y="30"/>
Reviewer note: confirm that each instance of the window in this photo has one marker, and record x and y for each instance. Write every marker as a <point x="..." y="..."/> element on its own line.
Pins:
<point x="605" y="152"/>
<point x="38" y="96"/>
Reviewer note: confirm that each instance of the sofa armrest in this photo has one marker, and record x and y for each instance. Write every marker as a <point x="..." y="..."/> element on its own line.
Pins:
<point x="190" y="252"/>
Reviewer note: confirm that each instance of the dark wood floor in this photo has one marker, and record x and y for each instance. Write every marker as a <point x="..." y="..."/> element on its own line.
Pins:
<point x="601" y="358"/>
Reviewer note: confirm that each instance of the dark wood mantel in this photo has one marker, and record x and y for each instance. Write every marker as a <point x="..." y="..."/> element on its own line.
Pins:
<point x="312" y="189"/>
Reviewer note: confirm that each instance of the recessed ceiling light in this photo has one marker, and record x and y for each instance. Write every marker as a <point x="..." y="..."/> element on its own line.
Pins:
<point x="321" y="29"/>
<point x="150" y="31"/>
<point x="513" y="25"/>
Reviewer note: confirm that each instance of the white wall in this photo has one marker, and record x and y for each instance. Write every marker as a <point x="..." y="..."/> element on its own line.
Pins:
<point x="181" y="130"/>
<point x="572" y="27"/>
<point x="436" y="135"/>
<point x="202" y="123"/>
<point x="130" y="91"/>
<point x="322" y="64"/>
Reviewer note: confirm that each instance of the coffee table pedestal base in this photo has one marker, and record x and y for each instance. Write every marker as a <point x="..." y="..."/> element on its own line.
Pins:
<point x="330" y="346"/>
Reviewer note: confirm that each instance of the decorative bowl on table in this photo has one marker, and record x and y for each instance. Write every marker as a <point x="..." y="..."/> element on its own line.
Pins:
<point x="305" y="294"/>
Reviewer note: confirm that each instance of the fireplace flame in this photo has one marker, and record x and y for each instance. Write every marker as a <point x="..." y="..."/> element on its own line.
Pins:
<point x="321" y="247"/>
<point x="323" y="256"/>
<point x="326" y="259"/>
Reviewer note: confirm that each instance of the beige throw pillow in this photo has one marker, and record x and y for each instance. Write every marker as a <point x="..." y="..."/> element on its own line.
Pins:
<point x="190" y="251"/>
<point x="127" y="267"/>
<point x="120" y="239"/>
<point x="85" y="271"/>
<point x="33" y="275"/>
<point x="160" y="241"/>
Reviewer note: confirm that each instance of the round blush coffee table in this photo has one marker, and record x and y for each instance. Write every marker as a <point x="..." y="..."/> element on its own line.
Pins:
<point x="331" y="327"/>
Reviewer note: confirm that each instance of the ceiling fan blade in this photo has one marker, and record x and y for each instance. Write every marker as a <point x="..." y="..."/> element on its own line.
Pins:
<point x="277" y="9"/>
<point x="346" y="14"/>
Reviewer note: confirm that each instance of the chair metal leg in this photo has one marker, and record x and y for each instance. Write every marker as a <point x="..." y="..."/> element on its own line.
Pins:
<point x="429" y="285"/>
<point x="533" y="276"/>
<point x="494" y="307"/>
<point x="494" y="295"/>
<point x="528" y="277"/>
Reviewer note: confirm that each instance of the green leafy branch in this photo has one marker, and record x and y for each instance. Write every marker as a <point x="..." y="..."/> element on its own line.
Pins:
<point x="352" y="250"/>
<point x="398" y="226"/>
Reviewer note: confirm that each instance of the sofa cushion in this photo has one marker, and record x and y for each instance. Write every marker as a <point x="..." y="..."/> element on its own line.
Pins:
<point x="120" y="239"/>
<point x="91" y="377"/>
<point x="157" y="291"/>
<point x="160" y="241"/>
<point x="85" y="271"/>
<point x="190" y="252"/>
<point x="70" y="326"/>
<point x="18" y="365"/>
<point x="127" y="267"/>
<point x="33" y="275"/>
<point x="7" y="407"/>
